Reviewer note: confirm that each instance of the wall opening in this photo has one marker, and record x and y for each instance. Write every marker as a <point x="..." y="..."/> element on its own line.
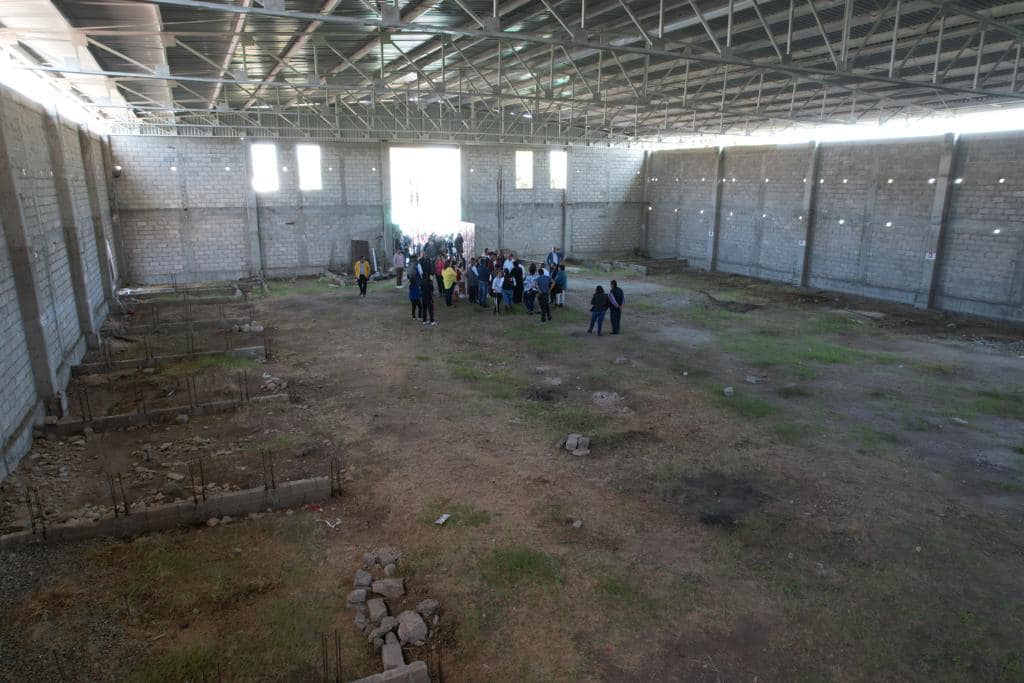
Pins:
<point x="264" y="168"/>
<point x="524" y="169"/>
<point x="426" y="191"/>
<point x="308" y="158"/>
<point x="559" y="162"/>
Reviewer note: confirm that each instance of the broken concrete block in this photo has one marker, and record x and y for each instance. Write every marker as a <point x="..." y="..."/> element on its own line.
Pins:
<point x="363" y="579"/>
<point x="386" y="556"/>
<point x="428" y="608"/>
<point x="378" y="610"/>
<point x="581" y="451"/>
<point x="361" y="622"/>
<point x="387" y="625"/>
<point x="389" y="588"/>
<point x="411" y="628"/>
<point x="356" y="598"/>
<point x="416" y="672"/>
<point x="572" y="442"/>
<point x="391" y="569"/>
<point x="391" y="653"/>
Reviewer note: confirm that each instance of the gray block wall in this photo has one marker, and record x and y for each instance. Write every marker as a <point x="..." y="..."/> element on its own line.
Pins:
<point x="54" y="287"/>
<point x="886" y="219"/>
<point x="201" y="221"/>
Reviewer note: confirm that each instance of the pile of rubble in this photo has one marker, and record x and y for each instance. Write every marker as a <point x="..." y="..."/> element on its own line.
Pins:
<point x="378" y="586"/>
<point x="577" y="444"/>
<point x="247" y="328"/>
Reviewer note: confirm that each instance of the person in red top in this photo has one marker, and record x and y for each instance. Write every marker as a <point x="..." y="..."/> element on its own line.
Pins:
<point x="438" y="270"/>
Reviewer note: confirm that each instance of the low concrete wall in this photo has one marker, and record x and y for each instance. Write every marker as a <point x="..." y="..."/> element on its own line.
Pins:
<point x="184" y="513"/>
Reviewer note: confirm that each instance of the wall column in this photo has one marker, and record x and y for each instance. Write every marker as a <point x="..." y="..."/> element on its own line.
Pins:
<point x="254" y="238"/>
<point x="646" y="206"/>
<point x="716" y="211"/>
<point x="72" y="244"/>
<point x="121" y="259"/>
<point x="803" y="266"/>
<point x="102" y="245"/>
<point x="19" y="248"/>
<point x="936" y="236"/>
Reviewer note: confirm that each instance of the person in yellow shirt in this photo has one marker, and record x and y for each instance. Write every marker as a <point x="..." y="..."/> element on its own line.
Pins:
<point x="362" y="269"/>
<point x="449" y="276"/>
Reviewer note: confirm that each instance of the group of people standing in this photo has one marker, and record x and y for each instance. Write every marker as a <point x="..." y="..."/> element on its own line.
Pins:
<point x="498" y="280"/>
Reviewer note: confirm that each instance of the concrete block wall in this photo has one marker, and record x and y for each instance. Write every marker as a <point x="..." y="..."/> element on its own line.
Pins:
<point x="187" y="213"/>
<point x="981" y="267"/>
<point x="603" y="201"/>
<point x="53" y="286"/>
<point x="883" y="219"/>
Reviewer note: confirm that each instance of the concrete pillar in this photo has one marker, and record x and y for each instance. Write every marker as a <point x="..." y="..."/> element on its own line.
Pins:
<point x="120" y="256"/>
<point x="72" y="244"/>
<point x="254" y="236"/>
<point x="808" y="207"/>
<point x="19" y="248"/>
<point x="716" y="211"/>
<point x="102" y="246"/>
<point x="186" y="229"/>
<point x="387" y="233"/>
<point x="645" y="174"/>
<point x="936" y="236"/>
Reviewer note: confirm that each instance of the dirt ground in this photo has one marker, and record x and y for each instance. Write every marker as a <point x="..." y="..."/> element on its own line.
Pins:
<point x="851" y="510"/>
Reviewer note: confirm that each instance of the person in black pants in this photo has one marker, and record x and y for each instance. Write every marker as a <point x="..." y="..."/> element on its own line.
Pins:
<point x="427" y="300"/>
<point x="544" y="283"/>
<point x="616" y="300"/>
<point x="598" y="305"/>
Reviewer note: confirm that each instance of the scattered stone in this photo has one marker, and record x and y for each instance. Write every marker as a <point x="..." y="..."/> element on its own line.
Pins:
<point x="363" y="579"/>
<point x="175" y="476"/>
<point x="378" y="643"/>
<point x="356" y="597"/>
<point x="621" y="360"/>
<point x="182" y="419"/>
<point x="369" y="559"/>
<point x="728" y="391"/>
<point x="361" y="622"/>
<point x="960" y="421"/>
<point x="226" y="519"/>
<point x="387" y="625"/>
<point x="578" y="524"/>
<point x="386" y="556"/>
<point x="391" y="653"/>
<point x="80" y="443"/>
<point x="390" y="570"/>
<point x="581" y="451"/>
<point x="172" y="490"/>
<point x="212" y="521"/>
<point x="754" y="379"/>
<point x="389" y="588"/>
<point x="607" y="399"/>
<point x="428" y="608"/>
<point x="378" y="610"/>
<point x="148" y="371"/>
<point x="572" y="442"/>
<point x="411" y="628"/>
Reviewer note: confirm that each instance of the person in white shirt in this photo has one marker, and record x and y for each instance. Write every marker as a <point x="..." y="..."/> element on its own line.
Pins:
<point x="399" y="264"/>
<point x="497" y="282"/>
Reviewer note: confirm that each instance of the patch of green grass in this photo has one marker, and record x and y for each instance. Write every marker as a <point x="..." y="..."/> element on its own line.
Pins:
<point x="301" y="287"/>
<point x="792" y="433"/>
<point x="872" y="439"/>
<point x="710" y="317"/>
<point x="519" y="566"/>
<point x="917" y="423"/>
<point x="563" y="417"/>
<point x="1000" y="403"/>
<point x="462" y="514"/>
<point x="189" y="662"/>
<point x="494" y="381"/>
<point x="223" y="361"/>
<point x="645" y="306"/>
<point x="1005" y="486"/>
<point x="793" y="391"/>
<point x="280" y="442"/>
<point x="743" y="404"/>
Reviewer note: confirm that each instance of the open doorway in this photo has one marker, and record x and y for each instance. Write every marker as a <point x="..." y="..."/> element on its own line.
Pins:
<point x="426" y="194"/>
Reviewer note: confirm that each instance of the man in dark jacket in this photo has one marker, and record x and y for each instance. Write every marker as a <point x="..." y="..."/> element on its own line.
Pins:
<point x="616" y="300"/>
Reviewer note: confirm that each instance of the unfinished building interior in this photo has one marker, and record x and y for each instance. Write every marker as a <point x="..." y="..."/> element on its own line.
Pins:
<point x="224" y="455"/>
